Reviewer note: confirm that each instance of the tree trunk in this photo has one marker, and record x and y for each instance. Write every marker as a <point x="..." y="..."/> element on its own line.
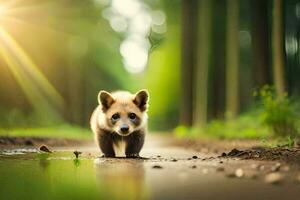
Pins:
<point x="260" y="43"/>
<point x="278" y="48"/>
<point x="216" y="100"/>
<point x="232" y="59"/>
<point x="189" y="21"/>
<point x="202" y="63"/>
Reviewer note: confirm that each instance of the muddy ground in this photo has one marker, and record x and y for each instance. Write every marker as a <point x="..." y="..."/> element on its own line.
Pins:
<point x="243" y="149"/>
<point x="11" y="142"/>
<point x="186" y="169"/>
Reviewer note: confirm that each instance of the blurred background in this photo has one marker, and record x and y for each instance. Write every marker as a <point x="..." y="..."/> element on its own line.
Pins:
<point x="206" y="64"/>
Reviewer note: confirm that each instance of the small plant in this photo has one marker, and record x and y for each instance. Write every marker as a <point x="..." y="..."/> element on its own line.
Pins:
<point x="287" y="141"/>
<point x="278" y="113"/>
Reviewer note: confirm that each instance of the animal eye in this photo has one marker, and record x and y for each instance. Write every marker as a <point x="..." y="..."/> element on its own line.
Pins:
<point x="132" y="115"/>
<point x="115" y="116"/>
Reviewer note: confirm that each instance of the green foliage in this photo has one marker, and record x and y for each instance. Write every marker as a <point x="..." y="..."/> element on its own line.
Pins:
<point x="12" y="118"/>
<point x="278" y="113"/>
<point x="58" y="131"/>
<point x="244" y="127"/>
<point x="271" y="117"/>
<point x="184" y="131"/>
<point x="281" y="142"/>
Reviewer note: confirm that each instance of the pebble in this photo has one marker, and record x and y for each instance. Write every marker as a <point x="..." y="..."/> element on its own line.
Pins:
<point x="254" y="166"/>
<point x="239" y="173"/>
<point x="262" y="168"/>
<point x="234" y="152"/>
<point x="276" y="167"/>
<point x="44" y="148"/>
<point x="194" y="167"/>
<point x="174" y="160"/>
<point x="274" y="178"/>
<point x="157" y="167"/>
<point x="195" y="157"/>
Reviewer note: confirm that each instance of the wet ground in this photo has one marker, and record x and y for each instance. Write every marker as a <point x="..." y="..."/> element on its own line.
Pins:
<point x="167" y="171"/>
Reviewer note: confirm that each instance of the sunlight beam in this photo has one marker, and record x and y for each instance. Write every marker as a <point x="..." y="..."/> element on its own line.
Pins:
<point x="18" y="21"/>
<point x="20" y="64"/>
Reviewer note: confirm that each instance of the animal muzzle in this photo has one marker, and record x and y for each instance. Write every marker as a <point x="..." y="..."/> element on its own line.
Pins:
<point x="124" y="128"/>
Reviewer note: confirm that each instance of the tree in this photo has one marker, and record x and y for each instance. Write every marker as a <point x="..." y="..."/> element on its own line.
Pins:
<point x="189" y="35"/>
<point x="232" y="59"/>
<point x="260" y="43"/>
<point x="216" y="95"/>
<point x="278" y="48"/>
<point x="202" y="63"/>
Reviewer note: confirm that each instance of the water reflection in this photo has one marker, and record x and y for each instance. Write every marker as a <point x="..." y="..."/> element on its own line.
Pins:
<point x="126" y="179"/>
<point x="76" y="162"/>
<point x="43" y="160"/>
<point x="59" y="176"/>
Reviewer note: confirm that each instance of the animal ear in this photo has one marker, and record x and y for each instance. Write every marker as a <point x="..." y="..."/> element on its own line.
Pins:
<point x="105" y="99"/>
<point x="141" y="99"/>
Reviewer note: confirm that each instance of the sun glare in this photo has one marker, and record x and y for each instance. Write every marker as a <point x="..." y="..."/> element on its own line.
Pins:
<point x="38" y="90"/>
<point x="2" y="10"/>
<point x="34" y="84"/>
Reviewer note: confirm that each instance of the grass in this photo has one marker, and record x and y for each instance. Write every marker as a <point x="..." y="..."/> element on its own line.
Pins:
<point x="287" y="142"/>
<point x="59" y="131"/>
<point x="247" y="126"/>
<point x="244" y="127"/>
<point x="272" y="117"/>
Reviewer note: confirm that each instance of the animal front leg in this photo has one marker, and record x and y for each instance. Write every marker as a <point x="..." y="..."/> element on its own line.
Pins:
<point x="106" y="146"/>
<point x="134" y="145"/>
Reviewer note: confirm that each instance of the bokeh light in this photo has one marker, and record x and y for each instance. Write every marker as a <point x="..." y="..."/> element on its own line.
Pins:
<point x="135" y="20"/>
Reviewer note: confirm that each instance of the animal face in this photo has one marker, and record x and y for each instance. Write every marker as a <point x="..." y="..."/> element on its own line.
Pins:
<point x="124" y="112"/>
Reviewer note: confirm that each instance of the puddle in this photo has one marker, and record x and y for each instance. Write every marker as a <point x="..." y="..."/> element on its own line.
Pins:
<point x="17" y="151"/>
<point x="29" y="174"/>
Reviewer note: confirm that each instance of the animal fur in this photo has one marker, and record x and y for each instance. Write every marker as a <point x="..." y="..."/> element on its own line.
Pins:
<point x="119" y="122"/>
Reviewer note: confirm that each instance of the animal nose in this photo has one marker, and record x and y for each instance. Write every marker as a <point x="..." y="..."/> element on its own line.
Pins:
<point x="124" y="128"/>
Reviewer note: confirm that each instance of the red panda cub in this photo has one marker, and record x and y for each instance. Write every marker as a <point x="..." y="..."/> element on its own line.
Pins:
<point x="120" y="122"/>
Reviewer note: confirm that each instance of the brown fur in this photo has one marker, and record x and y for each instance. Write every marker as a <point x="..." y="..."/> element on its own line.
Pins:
<point x="107" y="130"/>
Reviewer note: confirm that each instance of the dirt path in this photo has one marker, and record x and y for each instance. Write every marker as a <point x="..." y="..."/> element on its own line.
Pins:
<point x="172" y="171"/>
<point x="178" y="170"/>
